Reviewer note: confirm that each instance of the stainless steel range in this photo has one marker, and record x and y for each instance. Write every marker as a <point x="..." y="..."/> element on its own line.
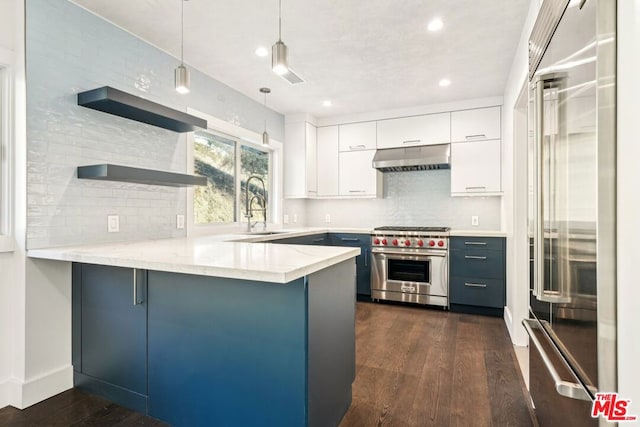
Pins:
<point x="410" y="264"/>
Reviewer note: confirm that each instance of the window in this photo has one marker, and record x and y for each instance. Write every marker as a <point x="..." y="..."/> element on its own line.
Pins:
<point x="228" y="164"/>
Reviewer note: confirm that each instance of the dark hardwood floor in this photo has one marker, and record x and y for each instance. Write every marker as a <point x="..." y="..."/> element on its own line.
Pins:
<point x="427" y="367"/>
<point x="415" y="367"/>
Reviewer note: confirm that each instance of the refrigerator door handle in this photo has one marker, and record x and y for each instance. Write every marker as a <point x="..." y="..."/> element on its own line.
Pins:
<point x="563" y="388"/>
<point x="542" y="82"/>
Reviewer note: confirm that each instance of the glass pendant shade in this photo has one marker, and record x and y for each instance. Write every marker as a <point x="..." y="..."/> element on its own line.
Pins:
<point x="182" y="79"/>
<point x="279" y="58"/>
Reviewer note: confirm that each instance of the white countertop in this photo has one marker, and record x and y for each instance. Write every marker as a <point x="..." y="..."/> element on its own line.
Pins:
<point x="208" y="256"/>
<point x="233" y="255"/>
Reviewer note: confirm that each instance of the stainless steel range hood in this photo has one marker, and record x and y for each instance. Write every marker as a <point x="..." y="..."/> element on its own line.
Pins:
<point x="425" y="157"/>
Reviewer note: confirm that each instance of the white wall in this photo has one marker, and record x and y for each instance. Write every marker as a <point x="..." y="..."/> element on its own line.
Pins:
<point x="514" y="172"/>
<point x="628" y="202"/>
<point x="11" y="54"/>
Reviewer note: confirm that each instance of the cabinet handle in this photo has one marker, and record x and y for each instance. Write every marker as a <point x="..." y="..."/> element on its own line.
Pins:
<point x="366" y="257"/>
<point x="475" y="285"/>
<point x="475" y="257"/>
<point x="135" y="287"/>
<point x="480" y="135"/>
<point x="411" y="141"/>
<point x="357" y="147"/>
<point x="476" y="243"/>
<point x="349" y="239"/>
<point x="321" y="239"/>
<point x="475" y="188"/>
<point x="357" y="191"/>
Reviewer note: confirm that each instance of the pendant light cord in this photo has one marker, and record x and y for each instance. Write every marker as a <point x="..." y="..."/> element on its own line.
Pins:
<point x="265" y="116"/>
<point x="182" y="32"/>
<point x="280" y="20"/>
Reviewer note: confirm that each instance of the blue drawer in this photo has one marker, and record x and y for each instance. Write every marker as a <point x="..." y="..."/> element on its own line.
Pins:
<point x="350" y="239"/>
<point x="477" y="292"/>
<point x="478" y="243"/>
<point x="477" y="263"/>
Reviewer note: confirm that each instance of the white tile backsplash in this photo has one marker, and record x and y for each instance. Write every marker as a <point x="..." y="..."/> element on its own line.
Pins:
<point x="70" y="50"/>
<point x="421" y="198"/>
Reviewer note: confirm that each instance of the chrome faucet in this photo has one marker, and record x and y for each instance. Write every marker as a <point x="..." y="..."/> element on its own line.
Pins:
<point x="262" y="203"/>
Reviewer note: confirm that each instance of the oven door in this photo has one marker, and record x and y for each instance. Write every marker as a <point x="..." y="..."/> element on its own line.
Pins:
<point x="410" y="272"/>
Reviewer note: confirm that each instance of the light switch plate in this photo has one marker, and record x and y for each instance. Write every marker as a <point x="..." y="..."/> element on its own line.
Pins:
<point x="327" y="218"/>
<point x="113" y="223"/>
<point x="474" y="220"/>
<point x="295" y="218"/>
<point x="180" y="222"/>
<point x="285" y="219"/>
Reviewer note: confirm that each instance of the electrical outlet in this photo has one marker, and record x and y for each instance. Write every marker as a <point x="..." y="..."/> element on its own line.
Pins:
<point x="286" y="219"/>
<point x="180" y="222"/>
<point x="295" y="218"/>
<point x="327" y="218"/>
<point x="113" y="223"/>
<point x="474" y="220"/>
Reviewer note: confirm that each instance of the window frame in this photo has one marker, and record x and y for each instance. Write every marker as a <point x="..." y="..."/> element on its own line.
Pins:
<point x="241" y="137"/>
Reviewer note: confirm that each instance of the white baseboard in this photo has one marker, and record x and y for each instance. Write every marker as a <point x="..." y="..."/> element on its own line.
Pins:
<point x="21" y="394"/>
<point x="508" y="320"/>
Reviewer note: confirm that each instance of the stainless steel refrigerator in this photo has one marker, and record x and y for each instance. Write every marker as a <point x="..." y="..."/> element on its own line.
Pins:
<point x="572" y="324"/>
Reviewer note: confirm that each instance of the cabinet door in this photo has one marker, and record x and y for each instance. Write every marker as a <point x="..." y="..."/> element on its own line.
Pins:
<point x="327" y="164"/>
<point x="363" y="261"/>
<point x="113" y="328"/>
<point x="476" y="167"/>
<point x="429" y="129"/>
<point x="357" y="176"/>
<point x="474" y="125"/>
<point x="311" y="159"/>
<point x="300" y="179"/>
<point x="358" y="136"/>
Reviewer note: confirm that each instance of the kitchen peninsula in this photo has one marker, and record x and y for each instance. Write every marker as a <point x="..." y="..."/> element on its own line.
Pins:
<point x="198" y="331"/>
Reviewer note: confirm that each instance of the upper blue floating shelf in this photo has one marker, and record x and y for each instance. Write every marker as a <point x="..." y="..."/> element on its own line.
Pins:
<point x="123" y="104"/>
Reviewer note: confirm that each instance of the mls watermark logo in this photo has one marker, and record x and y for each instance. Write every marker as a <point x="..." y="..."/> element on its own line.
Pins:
<point x="611" y="408"/>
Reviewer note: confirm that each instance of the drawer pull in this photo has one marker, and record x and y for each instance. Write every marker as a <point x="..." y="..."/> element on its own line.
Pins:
<point x="321" y="239"/>
<point x="480" y="135"/>
<point x="475" y="257"/>
<point x="475" y="285"/>
<point x="357" y="147"/>
<point x="349" y="239"/>
<point x="475" y="243"/>
<point x="412" y="141"/>
<point x="475" y="188"/>
<point x="357" y="191"/>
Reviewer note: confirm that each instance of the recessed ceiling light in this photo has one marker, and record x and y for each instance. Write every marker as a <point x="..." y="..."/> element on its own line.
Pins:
<point x="436" y="24"/>
<point x="444" y="82"/>
<point x="327" y="103"/>
<point x="262" y="51"/>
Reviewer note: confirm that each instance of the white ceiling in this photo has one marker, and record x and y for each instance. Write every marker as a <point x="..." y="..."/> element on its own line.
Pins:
<point x="362" y="55"/>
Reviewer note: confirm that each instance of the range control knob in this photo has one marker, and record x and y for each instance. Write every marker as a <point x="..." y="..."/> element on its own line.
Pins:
<point x="407" y="242"/>
<point x="440" y="243"/>
<point x="432" y="243"/>
<point x="420" y="243"/>
<point x="376" y="241"/>
<point x="384" y="241"/>
<point x="395" y="242"/>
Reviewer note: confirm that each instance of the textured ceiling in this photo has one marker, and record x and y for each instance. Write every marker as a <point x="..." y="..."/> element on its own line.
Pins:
<point x="362" y="55"/>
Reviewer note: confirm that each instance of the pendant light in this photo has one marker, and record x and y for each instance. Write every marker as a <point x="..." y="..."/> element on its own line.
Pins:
<point x="279" y="51"/>
<point x="182" y="80"/>
<point x="265" y="135"/>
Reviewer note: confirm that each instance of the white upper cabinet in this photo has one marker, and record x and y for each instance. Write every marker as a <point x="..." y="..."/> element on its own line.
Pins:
<point x="357" y="176"/>
<point x="476" y="167"/>
<point x="327" y="165"/>
<point x="358" y="136"/>
<point x="475" y="125"/>
<point x="300" y="179"/>
<point x="429" y="129"/>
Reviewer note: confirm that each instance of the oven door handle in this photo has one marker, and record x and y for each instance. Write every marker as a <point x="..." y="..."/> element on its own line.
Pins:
<point x="423" y="254"/>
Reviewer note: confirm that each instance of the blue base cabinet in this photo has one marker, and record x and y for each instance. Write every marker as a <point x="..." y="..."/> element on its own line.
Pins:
<point x="109" y="347"/>
<point x="477" y="275"/>
<point x="356" y="240"/>
<point x="363" y="261"/>
<point x="208" y="351"/>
